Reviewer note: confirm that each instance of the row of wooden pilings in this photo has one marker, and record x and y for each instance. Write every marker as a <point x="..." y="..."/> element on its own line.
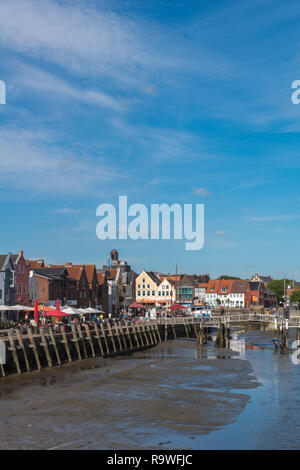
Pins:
<point x="222" y="338"/>
<point x="27" y="351"/>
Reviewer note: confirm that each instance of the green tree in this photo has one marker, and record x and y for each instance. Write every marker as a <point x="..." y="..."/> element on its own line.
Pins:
<point x="278" y="287"/>
<point x="218" y="301"/>
<point x="295" y="297"/>
<point x="225" y="277"/>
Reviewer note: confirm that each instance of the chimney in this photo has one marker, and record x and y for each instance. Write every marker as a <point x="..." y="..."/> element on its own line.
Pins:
<point x="69" y="264"/>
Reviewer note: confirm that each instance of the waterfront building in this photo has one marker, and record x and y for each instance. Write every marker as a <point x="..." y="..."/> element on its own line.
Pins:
<point x="231" y="293"/>
<point x="21" y="279"/>
<point x="265" y="279"/>
<point x="102" y="300"/>
<point x="166" y="293"/>
<point x="146" y="288"/>
<point x="7" y="280"/>
<point x="55" y="283"/>
<point x="258" y="290"/>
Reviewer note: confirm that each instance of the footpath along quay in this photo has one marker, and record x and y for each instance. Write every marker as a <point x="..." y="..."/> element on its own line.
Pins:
<point x="26" y="351"/>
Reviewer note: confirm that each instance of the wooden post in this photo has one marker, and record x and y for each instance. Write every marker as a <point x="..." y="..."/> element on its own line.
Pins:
<point x="121" y="328"/>
<point x="82" y="340"/>
<point x="97" y="336"/>
<point x="186" y="329"/>
<point x="14" y="351"/>
<point x="158" y="333"/>
<point x="145" y="335"/>
<point x="135" y="336"/>
<point x="166" y="332"/>
<point x="118" y="335"/>
<point x="75" y="340"/>
<point x="140" y="335"/>
<point x="53" y="342"/>
<point x="33" y="346"/>
<point x="112" y="336"/>
<point x="21" y="344"/>
<point x="45" y="346"/>
<point x="174" y="332"/>
<point x="153" y="334"/>
<point x="89" y="337"/>
<point x="150" y="334"/>
<point x="105" y="339"/>
<point x="65" y="342"/>
<point x="128" y="334"/>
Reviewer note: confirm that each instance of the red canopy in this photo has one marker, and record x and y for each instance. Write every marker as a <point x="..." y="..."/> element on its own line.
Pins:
<point x="56" y="313"/>
<point x="136" y="305"/>
<point x="177" y="307"/>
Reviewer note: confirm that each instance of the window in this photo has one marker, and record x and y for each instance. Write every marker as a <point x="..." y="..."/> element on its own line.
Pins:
<point x="24" y="289"/>
<point x="153" y="293"/>
<point x="0" y="293"/>
<point x="167" y="292"/>
<point x="139" y="293"/>
<point x="159" y="293"/>
<point x="148" y="293"/>
<point x="143" y="292"/>
<point x="148" y="286"/>
<point x="139" y="286"/>
<point x="163" y="292"/>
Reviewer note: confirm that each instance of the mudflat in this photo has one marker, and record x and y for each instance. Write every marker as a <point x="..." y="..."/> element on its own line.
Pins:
<point x="160" y="398"/>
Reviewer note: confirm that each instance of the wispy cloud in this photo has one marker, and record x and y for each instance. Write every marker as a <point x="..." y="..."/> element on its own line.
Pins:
<point x="220" y="233"/>
<point x="274" y="218"/>
<point x="204" y="192"/>
<point x="66" y="210"/>
<point x="39" y="81"/>
<point x="32" y="160"/>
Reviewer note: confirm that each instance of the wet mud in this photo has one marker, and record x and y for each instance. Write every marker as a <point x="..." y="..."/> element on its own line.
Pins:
<point x="166" y="397"/>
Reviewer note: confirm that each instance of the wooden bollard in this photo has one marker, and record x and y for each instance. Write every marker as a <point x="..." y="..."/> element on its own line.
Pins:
<point x="65" y="342"/>
<point x="82" y="340"/>
<point x="105" y="339"/>
<point x="33" y="346"/>
<point x="12" y="348"/>
<point x="53" y="342"/>
<point x="98" y="338"/>
<point x="166" y="332"/>
<point x="21" y="344"/>
<point x="44" y="344"/>
<point x="75" y="340"/>
<point x="89" y="338"/>
<point x="153" y="334"/>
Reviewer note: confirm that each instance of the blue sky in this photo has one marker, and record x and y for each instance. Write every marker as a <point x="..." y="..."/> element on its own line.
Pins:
<point x="163" y="101"/>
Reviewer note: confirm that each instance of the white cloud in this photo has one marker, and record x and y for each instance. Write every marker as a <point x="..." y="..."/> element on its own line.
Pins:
<point x="66" y="210"/>
<point x="36" y="79"/>
<point x="204" y="192"/>
<point x="274" y="218"/>
<point x="220" y="233"/>
<point x="33" y="161"/>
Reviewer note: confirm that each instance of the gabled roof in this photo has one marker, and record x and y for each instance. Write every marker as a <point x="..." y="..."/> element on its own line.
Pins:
<point x="2" y="260"/>
<point x="51" y="273"/>
<point x="153" y="277"/>
<point x="213" y="286"/>
<point x="225" y="286"/>
<point x="101" y="278"/>
<point x="35" y="263"/>
<point x="239" y="286"/>
<point x="89" y="270"/>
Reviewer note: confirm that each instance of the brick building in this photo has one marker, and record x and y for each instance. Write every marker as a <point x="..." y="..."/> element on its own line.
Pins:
<point x="21" y="279"/>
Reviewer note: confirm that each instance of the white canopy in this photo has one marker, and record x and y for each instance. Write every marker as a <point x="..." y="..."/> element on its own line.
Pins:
<point x="4" y="307"/>
<point x="20" y="307"/>
<point x="71" y="310"/>
<point x="92" y="310"/>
